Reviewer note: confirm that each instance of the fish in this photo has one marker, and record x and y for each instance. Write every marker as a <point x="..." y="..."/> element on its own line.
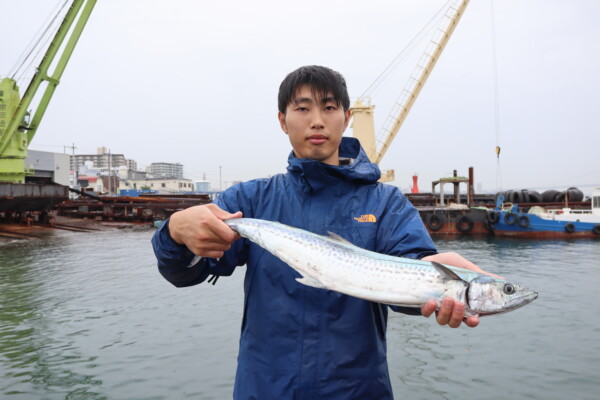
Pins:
<point x="333" y="263"/>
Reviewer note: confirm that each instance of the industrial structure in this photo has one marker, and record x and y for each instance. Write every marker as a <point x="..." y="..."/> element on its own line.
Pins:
<point x="363" y="112"/>
<point x="18" y="125"/>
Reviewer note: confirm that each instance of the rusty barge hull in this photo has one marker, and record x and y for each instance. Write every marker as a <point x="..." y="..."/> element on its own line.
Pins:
<point x="452" y="221"/>
<point x="20" y="197"/>
<point x="127" y="209"/>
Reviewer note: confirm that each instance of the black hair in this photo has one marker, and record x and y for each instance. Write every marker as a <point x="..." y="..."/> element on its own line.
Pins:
<point x="322" y="81"/>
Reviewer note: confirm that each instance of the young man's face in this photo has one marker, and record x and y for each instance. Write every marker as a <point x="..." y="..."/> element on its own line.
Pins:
<point x="314" y="126"/>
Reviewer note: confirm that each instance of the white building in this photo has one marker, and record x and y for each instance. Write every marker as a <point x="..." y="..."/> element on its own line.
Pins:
<point x="48" y="167"/>
<point x="103" y="159"/>
<point x="162" y="185"/>
<point x="165" y="170"/>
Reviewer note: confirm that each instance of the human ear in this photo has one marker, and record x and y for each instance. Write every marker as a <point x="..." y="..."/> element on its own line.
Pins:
<point x="347" y="115"/>
<point x="281" y="117"/>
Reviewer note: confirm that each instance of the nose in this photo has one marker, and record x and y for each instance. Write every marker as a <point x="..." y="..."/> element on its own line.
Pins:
<point x="317" y="121"/>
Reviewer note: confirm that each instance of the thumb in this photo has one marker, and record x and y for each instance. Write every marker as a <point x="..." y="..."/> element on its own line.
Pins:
<point x="232" y="216"/>
<point x="224" y="215"/>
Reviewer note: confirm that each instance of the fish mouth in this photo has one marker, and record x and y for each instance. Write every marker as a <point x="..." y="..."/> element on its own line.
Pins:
<point x="515" y="303"/>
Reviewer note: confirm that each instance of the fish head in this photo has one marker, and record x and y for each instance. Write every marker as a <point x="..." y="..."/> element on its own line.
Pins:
<point x="487" y="296"/>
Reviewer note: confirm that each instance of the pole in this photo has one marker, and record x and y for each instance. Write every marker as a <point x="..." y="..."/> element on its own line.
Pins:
<point x="74" y="166"/>
<point x="109" y="172"/>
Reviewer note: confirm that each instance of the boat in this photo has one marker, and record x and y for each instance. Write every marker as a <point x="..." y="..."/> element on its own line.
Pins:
<point x="508" y="219"/>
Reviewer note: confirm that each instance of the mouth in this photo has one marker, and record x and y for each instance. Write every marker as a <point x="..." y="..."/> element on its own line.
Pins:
<point x="317" y="139"/>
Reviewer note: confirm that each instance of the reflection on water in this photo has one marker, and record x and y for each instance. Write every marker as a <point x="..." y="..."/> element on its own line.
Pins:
<point x="33" y="355"/>
<point x="87" y="316"/>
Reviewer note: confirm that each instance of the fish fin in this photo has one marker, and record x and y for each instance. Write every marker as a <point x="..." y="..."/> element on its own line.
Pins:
<point x="446" y="272"/>
<point x="338" y="238"/>
<point x="305" y="280"/>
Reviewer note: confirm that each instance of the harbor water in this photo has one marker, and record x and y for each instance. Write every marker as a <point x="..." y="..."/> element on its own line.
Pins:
<point x="87" y="316"/>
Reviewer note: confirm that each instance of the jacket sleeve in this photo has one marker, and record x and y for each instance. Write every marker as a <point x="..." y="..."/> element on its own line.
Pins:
<point x="402" y="233"/>
<point x="178" y="265"/>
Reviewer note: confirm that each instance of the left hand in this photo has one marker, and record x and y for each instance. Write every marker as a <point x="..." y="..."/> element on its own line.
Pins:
<point x="451" y="312"/>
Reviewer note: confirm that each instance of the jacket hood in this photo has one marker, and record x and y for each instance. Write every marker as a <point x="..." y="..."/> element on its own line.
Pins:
<point x="319" y="175"/>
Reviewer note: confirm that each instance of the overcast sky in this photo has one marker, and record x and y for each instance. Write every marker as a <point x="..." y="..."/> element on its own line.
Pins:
<point x="196" y="82"/>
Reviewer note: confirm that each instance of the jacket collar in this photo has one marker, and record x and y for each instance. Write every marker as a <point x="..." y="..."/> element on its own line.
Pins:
<point x="319" y="175"/>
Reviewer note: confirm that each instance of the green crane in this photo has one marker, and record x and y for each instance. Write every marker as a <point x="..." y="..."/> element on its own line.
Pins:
<point x="17" y="129"/>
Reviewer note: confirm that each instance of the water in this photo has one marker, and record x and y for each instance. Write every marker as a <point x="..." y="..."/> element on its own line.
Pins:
<point x="87" y="316"/>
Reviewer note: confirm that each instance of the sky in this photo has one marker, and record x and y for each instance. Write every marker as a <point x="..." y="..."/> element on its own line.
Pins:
<point x="196" y="82"/>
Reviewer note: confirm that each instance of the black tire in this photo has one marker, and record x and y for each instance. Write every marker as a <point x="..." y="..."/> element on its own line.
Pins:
<point x="523" y="221"/>
<point x="569" y="228"/>
<point x="516" y="197"/>
<point x="464" y="224"/>
<point x="434" y="222"/>
<point x="574" y="194"/>
<point x="596" y="229"/>
<point x="549" y="195"/>
<point x="501" y="194"/>
<point x="493" y="216"/>
<point x="535" y="197"/>
<point x="510" y="218"/>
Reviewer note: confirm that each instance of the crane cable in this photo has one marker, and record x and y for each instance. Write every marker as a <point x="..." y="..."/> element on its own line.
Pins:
<point x="38" y="44"/>
<point x="496" y="102"/>
<point x="393" y="66"/>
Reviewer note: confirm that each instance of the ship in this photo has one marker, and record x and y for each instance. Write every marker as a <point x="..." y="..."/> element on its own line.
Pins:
<point x="508" y="219"/>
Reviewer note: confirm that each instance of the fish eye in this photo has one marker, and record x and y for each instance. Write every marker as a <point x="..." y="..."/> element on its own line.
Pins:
<point x="509" y="289"/>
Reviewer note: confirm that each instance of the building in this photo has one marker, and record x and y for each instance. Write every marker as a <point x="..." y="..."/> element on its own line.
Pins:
<point x="202" y="186"/>
<point x="48" y="167"/>
<point x="103" y="159"/>
<point x="161" y="185"/>
<point x="131" y="165"/>
<point x="165" y="170"/>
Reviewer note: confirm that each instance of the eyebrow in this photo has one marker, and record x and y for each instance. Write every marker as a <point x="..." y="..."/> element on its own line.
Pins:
<point x="324" y="100"/>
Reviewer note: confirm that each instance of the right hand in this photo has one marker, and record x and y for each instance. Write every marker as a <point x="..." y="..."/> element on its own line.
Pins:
<point x="202" y="230"/>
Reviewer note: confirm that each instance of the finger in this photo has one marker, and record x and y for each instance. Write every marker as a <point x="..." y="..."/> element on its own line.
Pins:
<point x="222" y="214"/>
<point x="472" y="321"/>
<point x="210" y="253"/>
<point x="220" y="230"/>
<point x="211" y="246"/>
<point x="429" y="308"/>
<point x="445" y="311"/>
<point x="232" y="216"/>
<point x="457" y="316"/>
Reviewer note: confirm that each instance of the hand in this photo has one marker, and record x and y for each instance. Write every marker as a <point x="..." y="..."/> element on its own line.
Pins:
<point x="452" y="312"/>
<point x="202" y="230"/>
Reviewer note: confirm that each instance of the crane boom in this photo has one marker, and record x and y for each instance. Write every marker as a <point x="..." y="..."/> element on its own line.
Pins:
<point x="16" y="133"/>
<point x="363" y="123"/>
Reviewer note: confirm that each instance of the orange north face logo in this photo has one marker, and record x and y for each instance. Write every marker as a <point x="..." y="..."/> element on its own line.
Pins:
<point x="366" y="218"/>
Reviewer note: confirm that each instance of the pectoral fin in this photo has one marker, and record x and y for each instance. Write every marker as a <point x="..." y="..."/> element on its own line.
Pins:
<point x="305" y="280"/>
<point x="338" y="238"/>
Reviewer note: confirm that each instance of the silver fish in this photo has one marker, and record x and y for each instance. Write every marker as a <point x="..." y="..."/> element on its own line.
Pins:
<point x="333" y="263"/>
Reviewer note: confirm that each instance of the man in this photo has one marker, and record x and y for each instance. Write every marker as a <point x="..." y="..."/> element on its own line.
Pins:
<point x="298" y="342"/>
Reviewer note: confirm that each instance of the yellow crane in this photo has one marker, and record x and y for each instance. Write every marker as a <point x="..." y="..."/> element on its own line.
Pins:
<point x="363" y="124"/>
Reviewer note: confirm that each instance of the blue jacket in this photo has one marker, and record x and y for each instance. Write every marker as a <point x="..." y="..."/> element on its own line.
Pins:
<point x="298" y="342"/>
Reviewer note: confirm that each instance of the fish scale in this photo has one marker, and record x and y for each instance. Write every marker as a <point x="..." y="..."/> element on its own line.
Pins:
<point x="333" y="263"/>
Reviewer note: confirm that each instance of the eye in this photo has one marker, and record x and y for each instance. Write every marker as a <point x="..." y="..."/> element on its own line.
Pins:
<point x="509" y="289"/>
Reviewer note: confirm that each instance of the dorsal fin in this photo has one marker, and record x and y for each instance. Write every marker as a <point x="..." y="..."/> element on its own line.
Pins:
<point x="446" y="272"/>
<point x="338" y="238"/>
